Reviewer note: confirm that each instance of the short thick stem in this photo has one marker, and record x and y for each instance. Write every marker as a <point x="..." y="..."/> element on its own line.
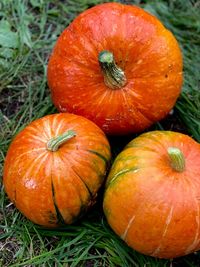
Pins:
<point x="54" y="143"/>
<point x="114" y="76"/>
<point x="177" y="159"/>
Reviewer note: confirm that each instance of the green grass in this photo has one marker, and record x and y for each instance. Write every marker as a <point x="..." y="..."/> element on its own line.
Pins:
<point x="28" y="31"/>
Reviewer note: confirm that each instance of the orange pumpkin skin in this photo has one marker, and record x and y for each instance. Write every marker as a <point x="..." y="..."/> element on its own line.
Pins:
<point x="48" y="187"/>
<point x="153" y="208"/>
<point x="142" y="47"/>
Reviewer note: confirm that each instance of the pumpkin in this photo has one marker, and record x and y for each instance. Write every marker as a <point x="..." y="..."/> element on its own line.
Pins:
<point x="152" y="197"/>
<point x="54" y="168"/>
<point x="118" y="66"/>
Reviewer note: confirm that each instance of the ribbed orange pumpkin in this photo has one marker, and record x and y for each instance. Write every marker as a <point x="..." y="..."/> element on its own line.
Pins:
<point x="152" y="199"/>
<point x="118" y="66"/>
<point x="54" y="168"/>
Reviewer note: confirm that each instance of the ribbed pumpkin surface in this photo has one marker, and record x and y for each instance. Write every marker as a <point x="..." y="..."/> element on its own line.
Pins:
<point x="152" y="207"/>
<point x="143" y="49"/>
<point x="56" y="187"/>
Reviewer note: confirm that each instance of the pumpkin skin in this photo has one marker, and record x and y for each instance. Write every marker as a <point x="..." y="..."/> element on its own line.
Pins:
<point x="52" y="188"/>
<point x="152" y="207"/>
<point x="143" y="48"/>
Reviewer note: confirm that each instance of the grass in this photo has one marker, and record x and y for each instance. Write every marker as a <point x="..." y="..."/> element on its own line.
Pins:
<point x="28" y="31"/>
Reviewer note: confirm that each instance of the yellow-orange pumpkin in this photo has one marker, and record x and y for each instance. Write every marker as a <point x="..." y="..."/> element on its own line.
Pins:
<point x="152" y="197"/>
<point x="54" y="168"/>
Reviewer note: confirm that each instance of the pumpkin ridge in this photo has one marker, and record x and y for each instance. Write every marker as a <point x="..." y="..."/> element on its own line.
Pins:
<point x="168" y="220"/>
<point x="18" y="201"/>
<point x="145" y="137"/>
<point x="130" y="94"/>
<point x="59" y="126"/>
<point x="115" y="177"/>
<point x="145" y="115"/>
<point x="79" y="177"/>
<point x="59" y="216"/>
<point x="35" y="137"/>
<point x="47" y="128"/>
<point x="131" y="65"/>
<point x="104" y="145"/>
<point x="136" y="146"/>
<point x="62" y="123"/>
<point x="91" y="197"/>
<point x="101" y="99"/>
<point x="31" y="166"/>
<point x="93" y="167"/>
<point x="78" y="63"/>
<point x="28" y="152"/>
<point x="76" y="35"/>
<point x="120" y="158"/>
<point x="35" y="133"/>
<point x="83" y="205"/>
<point x="162" y="29"/>
<point x="146" y="46"/>
<point x="99" y="155"/>
<point x="60" y="219"/>
<point x="85" y="184"/>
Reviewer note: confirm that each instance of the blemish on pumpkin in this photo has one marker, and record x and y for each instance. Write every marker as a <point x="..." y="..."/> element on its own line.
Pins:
<point x="139" y="61"/>
<point x="170" y="66"/>
<point x="30" y="184"/>
<point x="123" y="236"/>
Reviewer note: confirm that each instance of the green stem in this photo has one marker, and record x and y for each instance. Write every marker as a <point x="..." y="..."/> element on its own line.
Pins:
<point x="114" y="77"/>
<point x="177" y="159"/>
<point x="54" y="143"/>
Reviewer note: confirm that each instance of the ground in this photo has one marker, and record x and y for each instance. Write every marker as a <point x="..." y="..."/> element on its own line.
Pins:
<point x="28" y="31"/>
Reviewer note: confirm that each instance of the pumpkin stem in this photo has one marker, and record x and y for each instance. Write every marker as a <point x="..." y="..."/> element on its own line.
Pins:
<point x="114" y="77"/>
<point x="54" y="143"/>
<point x="177" y="159"/>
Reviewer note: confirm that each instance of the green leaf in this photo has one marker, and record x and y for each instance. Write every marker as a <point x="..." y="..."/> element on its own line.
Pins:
<point x="6" y="52"/>
<point x="3" y="64"/>
<point x="36" y="3"/>
<point x="8" y="38"/>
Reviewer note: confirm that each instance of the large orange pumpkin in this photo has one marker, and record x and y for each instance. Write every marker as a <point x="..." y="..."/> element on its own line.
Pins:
<point x="118" y="66"/>
<point x="54" y="168"/>
<point x="152" y="198"/>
